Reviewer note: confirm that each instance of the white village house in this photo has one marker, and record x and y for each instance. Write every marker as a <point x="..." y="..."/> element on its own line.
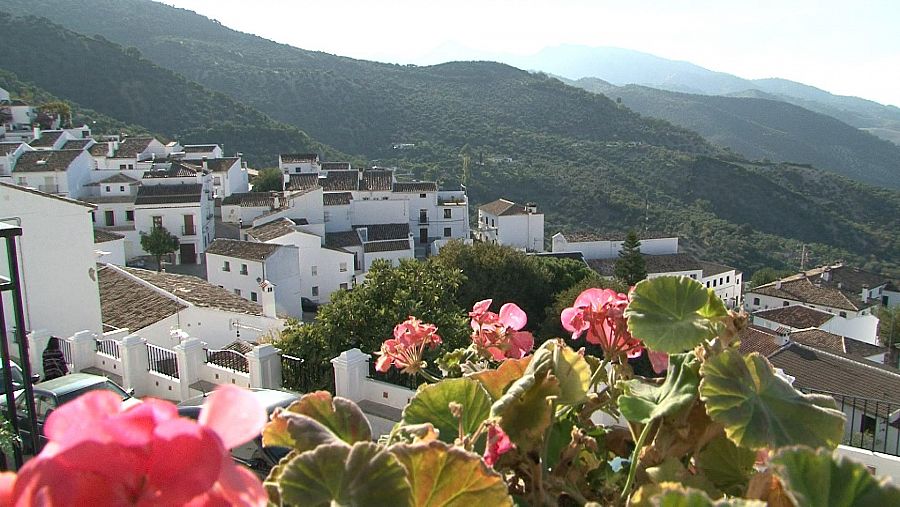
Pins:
<point x="503" y="222"/>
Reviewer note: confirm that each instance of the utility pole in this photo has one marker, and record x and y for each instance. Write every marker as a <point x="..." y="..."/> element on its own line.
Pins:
<point x="803" y="258"/>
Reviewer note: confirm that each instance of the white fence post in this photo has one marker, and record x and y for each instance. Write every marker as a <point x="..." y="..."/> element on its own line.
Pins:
<point x="83" y="350"/>
<point x="264" y="365"/>
<point x="37" y="342"/>
<point x="135" y="365"/>
<point x="350" y="370"/>
<point x="190" y="355"/>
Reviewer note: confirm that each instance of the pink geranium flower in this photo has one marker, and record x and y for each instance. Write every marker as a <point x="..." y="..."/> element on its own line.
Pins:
<point x="406" y="349"/>
<point x="498" y="444"/>
<point x="500" y="336"/>
<point x="601" y="314"/>
<point x="99" y="454"/>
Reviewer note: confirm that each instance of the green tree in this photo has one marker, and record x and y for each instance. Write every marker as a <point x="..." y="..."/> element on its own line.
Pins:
<point x="158" y="243"/>
<point x="767" y="275"/>
<point x="889" y="331"/>
<point x="631" y="268"/>
<point x="58" y="108"/>
<point x="268" y="180"/>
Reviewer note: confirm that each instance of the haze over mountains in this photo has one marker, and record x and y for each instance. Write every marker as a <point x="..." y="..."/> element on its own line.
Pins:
<point x="588" y="162"/>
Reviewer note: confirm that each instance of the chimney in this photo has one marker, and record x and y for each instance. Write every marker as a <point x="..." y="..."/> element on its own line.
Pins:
<point x="826" y="274"/>
<point x="205" y="165"/>
<point x="864" y="294"/>
<point x="111" y="147"/>
<point x="531" y="208"/>
<point x="268" y="299"/>
<point x="37" y="132"/>
<point x="778" y="284"/>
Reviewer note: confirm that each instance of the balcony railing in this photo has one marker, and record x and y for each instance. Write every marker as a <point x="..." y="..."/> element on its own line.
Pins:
<point x="50" y="189"/>
<point x="870" y="423"/>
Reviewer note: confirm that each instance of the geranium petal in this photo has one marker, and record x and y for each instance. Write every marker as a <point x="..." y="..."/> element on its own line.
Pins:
<point x="7" y="481"/>
<point x="593" y="297"/>
<point x="186" y="461"/>
<point x="240" y="487"/>
<point x="481" y="306"/>
<point x="234" y="414"/>
<point x="513" y="316"/>
<point x="80" y="418"/>
<point x="659" y="361"/>
<point x="573" y="321"/>
<point x="521" y="343"/>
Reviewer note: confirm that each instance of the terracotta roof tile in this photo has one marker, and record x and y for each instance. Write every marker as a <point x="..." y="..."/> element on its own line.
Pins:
<point x="272" y="230"/>
<point x="102" y="236"/>
<point x="169" y="194"/>
<point x="383" y="232"/>
<point x="795" y="316"/>
<point x="415" y="186"/>
<point x="336" y="198"/>
<point x="335" y="166"/>
<point x="803" y="290"/>
<point x="247" y="250"/>
<point x="127" y="303"/>
<point x="758" y="339"/>
<point x="197" y="291"/>
<point x="47" y="139"/>
<point x="342" y="239"/>
<point x="340" y="181"/>
<point x="250" y="199"/>
<point x="298" y="157"/>
<point x="377" y="180"/>
<point x="46" y="160"/>
<point x="131" y="147"/>
<point x="502" y="207"/>
<point x="303" y="181"/>
<point x="387" y="246"/>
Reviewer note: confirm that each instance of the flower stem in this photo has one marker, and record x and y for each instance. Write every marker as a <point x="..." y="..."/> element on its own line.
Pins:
<point x="632" y="469"/>
<point x="596" y="375"/>
<point x="428" y="377"/>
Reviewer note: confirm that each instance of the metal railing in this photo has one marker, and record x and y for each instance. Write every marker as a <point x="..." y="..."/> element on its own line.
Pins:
<point x="298" y="374"/>
<point x="66" y="347"/>
<point x="228" y="359"/>
<point x="107" y="347"/>
<point x="162" y="361"/>
<point x="393" y="376"/>
<point x="50" y="189"/>
<point x="871" y="424"/>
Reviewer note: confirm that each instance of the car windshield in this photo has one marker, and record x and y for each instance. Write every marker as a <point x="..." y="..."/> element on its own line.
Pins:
<point x="102" y="386"/>
<point x="17" y="378"/>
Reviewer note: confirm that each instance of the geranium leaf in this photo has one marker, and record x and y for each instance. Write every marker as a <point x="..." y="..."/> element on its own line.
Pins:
<point x="671" y="470"/>
<point x="337" y="474"/>
<point x="573" y="373"/>
<point x="448" y="476"/>
<point x="314" y="419"/>
<point x="760" y="409"/>
<point x="671" y="494"/>
<point x="728" y="466"/>
<point x="673" y="313"/>
<point x="643" y="401"/>
<point x="524" y="410"/>
<point x="431" y="404"/>
<point x="816" y="478"/>
<point x="496" y="381"/>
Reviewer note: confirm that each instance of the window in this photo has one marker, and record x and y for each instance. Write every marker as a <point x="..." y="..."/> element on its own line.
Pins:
<point x="315" y="291"/>
<point x="327" y="216"/>
<point x="423" y="216"/>
<point x="107" y="188"/>
<point x="707" y="284"/>
<point x="728" y="279"/>
<point x="226" y="266"/>
<point x="694" y="277"/>
<point x="492" y="223"/>
<point x="157" y="222"/>
<point x="121" y="188"/>
<point x="23" y="181"/>
<point x="253" y="296"/>
<point x="785" y="304"/>
<point x="110" y="218"/>
<point x="237" y="291"/>
<point x="843" y="314"/>
<point x="756" y="301"/>
<point x="314" y="270"/>
<point x="447" y="232"/>
<point x="343" y="267"/>
<point x="93" y="217"/>
<point x="448" y="213"/>
<point x="714" y="283"/>
<point x="243" y="269"/>
<point x="422" y="196"/>
<point x="129" y="215"/>
<point x="130" y="166"/>
<point x="344" y="286"/>
<point x="122" y="167"/>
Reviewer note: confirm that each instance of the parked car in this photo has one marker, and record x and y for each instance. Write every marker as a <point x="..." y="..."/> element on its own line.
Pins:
<point x="252" y="454"/>
<point x="49" y="395"/>
<point x="308" y="305"/>
<point x="18" y="379"/>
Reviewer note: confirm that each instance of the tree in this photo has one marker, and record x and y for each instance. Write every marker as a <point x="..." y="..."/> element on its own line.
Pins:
<point x="631" y="268"/>
<point x="269" y="180"/>
<point x="767" y="275"/>
<point x="158" y="243"/>
<point x="58" y="108"/>
<point x="889" y="331"/>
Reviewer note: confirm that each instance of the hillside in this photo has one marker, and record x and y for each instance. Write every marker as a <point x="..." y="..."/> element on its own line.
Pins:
<point x="119" y="83"/>
<point x="760" y="128"/>
<point x="588" y="163"/>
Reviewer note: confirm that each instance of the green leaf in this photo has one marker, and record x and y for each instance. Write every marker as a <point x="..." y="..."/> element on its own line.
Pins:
<point x="317" y="419"/>
<point x="572" y="371"/>
<point x="525" y="411"/>
<point x="728" y="466"/>
<point x="496" y="381"/>
<point x="643" y="402"/>
<point x="670" y="494"/>
<point x="673" y="313"/>
<point x="671" y="470"/>
<point x="431" y="404"/>
<point x="447" y="476"/>
<point x="816" y="478"/>
<point x="337" y="474"/>
<point x="759" y="409"/>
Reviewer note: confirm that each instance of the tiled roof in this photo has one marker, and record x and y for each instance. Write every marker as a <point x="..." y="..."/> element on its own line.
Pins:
<point x="306" y="181"/>
<point x="7" y="147"/>
<point x="377" y="180"/>
<point x="47" y="139"/>
<point x="175" y="170"/>
<point x="248" y="250"/>
<point x="415" y="186"/>
<point x="199" y="148"/>
<point x="99" y="150"/>
<point x="846" y="278"/>
<point x="101" y="236"/>
<point x="335" y="166"/>
<point x="387" y="246"/>
<point x="667" y="263"/>
<point x="342" y="239"/>
<point x="131" y="147"/>
<point x="336" y="198"/>
<point x="76" y="144"/>
<point x="585" y="236"/>
<point x="217" y="165"/>
<point x="795" y="316"/>
<point x="502" y="207"/>
<point x="758" y="339"/>
<point x="116" y="178"/>
<point x="250" y="199"/>
<point x="341" y="181"/>
<point x="802" y="289"/>
<point x="575" y="256"/>
<point x="127" y="303"/>
<point x="48" y="160"/>
<point x="197" y="291"/>
<point x="837" y="373"/>
<point x="382" y="232"/>
<point x="298" y="157"/>
<point x="10" y="186"/>
<point x="830" y="342"/>
<point x="712" y="268"/>
<point x="169" y="194"/>
<point x="272" y="230"/>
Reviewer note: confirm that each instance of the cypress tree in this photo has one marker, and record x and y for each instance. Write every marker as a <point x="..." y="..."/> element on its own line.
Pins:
<point x="631" y="268"/>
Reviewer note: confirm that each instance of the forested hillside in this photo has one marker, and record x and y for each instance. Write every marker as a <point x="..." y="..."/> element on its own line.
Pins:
<point x="588" y="163"/>
<point x="759" y="128"/>
<point x="119" y="83"/>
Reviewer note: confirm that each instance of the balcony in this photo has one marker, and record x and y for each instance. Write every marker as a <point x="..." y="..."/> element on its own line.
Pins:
<point x="50" y="189"/>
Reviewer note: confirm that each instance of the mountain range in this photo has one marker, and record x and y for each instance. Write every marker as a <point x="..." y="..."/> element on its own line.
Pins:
<point x="588" y="162"/>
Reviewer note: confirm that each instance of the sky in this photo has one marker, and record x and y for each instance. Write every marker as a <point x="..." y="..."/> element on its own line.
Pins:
<point x="844" y="47"/>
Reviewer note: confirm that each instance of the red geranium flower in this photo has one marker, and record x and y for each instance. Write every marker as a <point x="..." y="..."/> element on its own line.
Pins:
<point x="601" y="313"/>
<point x="501" y="335"/>
<point x="406" y="349"/>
